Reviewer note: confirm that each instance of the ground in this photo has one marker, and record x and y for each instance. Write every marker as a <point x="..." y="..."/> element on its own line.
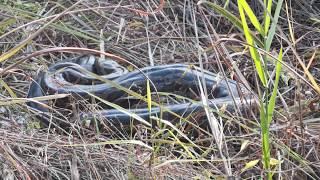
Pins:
<point x="158" y="32"/>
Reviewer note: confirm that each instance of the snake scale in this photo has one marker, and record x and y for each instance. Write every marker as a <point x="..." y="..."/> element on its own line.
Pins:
<point x="76" y="77"/>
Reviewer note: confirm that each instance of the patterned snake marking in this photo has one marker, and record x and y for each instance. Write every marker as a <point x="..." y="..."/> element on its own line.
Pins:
<point x="75" y="77"/>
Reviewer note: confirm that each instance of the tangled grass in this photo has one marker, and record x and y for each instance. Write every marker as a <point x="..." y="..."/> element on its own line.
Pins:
<point x="158" y="32"/>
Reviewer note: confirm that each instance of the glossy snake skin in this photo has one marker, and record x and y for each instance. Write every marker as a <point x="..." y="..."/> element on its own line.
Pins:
<point x="73" y="76"/>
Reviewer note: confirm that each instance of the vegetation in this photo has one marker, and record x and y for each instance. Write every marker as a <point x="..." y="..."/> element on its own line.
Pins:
<point x="270" y="47"/>
<point x="266" y="105"/>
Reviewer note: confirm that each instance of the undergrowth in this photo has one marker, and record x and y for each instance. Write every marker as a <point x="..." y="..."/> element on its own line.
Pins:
<point x="273" y="53"/>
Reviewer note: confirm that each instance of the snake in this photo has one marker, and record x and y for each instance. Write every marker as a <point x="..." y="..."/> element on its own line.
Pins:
<point x="84" y="76"/>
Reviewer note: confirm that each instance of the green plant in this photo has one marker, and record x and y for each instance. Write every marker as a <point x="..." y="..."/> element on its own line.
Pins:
<point x="263" y="40"/>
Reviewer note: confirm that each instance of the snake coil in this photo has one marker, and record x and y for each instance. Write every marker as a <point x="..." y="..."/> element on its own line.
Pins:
<point x="76" y="77"/>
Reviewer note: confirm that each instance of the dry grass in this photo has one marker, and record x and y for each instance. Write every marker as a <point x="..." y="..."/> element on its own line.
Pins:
<point x="178" y="32"/>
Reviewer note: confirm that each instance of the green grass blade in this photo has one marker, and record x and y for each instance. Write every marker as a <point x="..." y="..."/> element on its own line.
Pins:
<point x="73" y="31"/>
<point x="115" y="106"/>
<point x="226" y="3"/>
<point x="6" y="23"/>
<point x="265" y="138"/>
<point x="267" y="15"/>
<point x="272" y="30"/>
<point x="183" y="145"/>
<point x="173" y="127"/>
<point x="24" y="42"/>
<point x="272" y="101"/>
<point x="5" y="85"/>
<point x="232" y="18"/>
<point x="149" y="96"/>
<point x="250" y="165"/>
<point x="149" y="101"/>
<point x="253" y="51"/>
<point x="253" y="18"/>
<point x="14" y="50"/>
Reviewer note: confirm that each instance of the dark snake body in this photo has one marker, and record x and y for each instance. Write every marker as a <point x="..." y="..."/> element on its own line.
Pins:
<point x="67" y="77"/>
